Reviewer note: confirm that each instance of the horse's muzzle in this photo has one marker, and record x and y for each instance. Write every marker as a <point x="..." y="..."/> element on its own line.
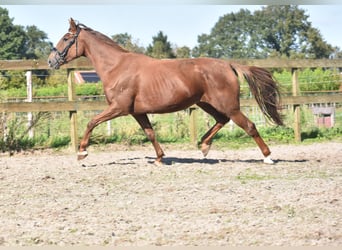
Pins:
<point x="55" y="60"/>
<point x="53" y="64"/>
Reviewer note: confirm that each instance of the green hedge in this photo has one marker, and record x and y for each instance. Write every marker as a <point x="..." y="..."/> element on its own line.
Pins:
<point x="59" y="90"/>
<point x="310" y="80"/>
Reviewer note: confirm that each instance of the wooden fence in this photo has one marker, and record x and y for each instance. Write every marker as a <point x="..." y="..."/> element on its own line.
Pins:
<point x="73" y="106"/>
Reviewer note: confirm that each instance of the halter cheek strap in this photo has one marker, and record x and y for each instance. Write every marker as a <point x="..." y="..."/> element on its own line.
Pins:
<point x="61" y="58"/>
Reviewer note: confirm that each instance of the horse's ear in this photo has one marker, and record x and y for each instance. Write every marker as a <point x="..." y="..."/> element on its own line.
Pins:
<point x="73" y="26"/>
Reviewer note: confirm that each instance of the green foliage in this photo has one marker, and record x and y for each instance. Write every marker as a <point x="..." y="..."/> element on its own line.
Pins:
<point x="14" y="132"/>
<point x="231" y="37"/>
<point x="12" y="79"/>
<point x="36" y="43"/>
<point x="9" y="141"/>
<point x="60" y="90"/>
<point x="17" y="79"/>
<point x="12" y="38"/>
<point x="183" y="52"/>
<point x="284" y="78"/>
<point x="316" y="47"/>
<point x="310" y="80"/>
<point x="278" y="134"/>
<point x="315" y="133"/>
<point x="59" y="141"/>
<point x="319" y="80"/>
<point x="89" y="89"/>
<point x="57" y="77"/>
<point x="283" y="30"/>
<point x="172" y="130"/>
<point x="126" y="41"/>
<point x="160" y="47"/>
<point x="237" y="138"/>
<point x="273" y="31"/>
<point x="17" y="42"/>
<point x="16" y="92"/>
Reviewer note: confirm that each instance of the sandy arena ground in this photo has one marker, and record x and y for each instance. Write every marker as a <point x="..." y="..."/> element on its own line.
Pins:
<point x="121" y="198"/>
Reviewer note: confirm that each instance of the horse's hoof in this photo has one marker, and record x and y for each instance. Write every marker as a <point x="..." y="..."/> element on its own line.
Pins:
<point x="82" y="155"/>
<point x="158" y="163"/>
<point x="268" y="160"/>
<point x="205" y="149"/>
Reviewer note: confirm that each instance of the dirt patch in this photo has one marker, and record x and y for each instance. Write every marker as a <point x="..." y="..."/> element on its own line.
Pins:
<point x="121" y="198"/>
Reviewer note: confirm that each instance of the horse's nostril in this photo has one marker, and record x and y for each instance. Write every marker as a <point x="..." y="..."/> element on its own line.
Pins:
<point x="50" y="64"/>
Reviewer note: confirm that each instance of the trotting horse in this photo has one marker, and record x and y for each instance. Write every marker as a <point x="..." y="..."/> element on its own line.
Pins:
<point x="136" y="84"/>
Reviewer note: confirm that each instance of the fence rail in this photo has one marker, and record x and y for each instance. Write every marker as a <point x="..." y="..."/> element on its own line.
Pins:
<point x="73" y="106"/>
<point x="100" y="105"/>
<point x="84" y="63"/>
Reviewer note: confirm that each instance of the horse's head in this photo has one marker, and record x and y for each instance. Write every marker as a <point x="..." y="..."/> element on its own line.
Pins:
<point x="67" y="48"/>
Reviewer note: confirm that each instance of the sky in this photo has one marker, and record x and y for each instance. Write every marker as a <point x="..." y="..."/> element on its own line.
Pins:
<point x="181" y="23"/>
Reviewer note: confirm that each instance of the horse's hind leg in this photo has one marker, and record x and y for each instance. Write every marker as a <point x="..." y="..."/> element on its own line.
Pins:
<point x="221" y="120"/>
<point x="242" y="121"/>
<point x="145" y="124"/>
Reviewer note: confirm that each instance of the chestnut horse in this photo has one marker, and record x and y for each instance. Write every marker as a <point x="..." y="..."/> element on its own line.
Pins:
<point x="136" y="84"/>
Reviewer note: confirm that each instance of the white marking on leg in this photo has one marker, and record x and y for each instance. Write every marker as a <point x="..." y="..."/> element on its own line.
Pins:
<point x="82" y="153"/>
<point x="268" y="160"/>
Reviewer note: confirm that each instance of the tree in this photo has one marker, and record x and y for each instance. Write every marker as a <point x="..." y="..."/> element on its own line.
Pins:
<point x="285" y="31"/>
<point x="337" y="54"/>
<point x="160" y="47"/>
<point x="12" y="38"/>
<point x="231" y="37"/>
<point x="183" y="52"/>
<point x="125" y="40"/>
<point x="17" y="42"/>
<point x="36" y="44"/>
<point x="273" y="31"/>
<point x="316" y="46"/>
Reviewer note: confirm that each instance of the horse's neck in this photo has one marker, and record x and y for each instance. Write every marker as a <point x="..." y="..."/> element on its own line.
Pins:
<point x="102" y="56"/>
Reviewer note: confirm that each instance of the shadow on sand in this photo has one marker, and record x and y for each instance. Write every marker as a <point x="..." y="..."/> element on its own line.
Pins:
<point x="177" y="160"/>
<point x="169" y="161"/>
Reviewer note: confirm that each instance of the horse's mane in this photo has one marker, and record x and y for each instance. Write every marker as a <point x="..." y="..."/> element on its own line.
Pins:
<point x="102" y="37"/>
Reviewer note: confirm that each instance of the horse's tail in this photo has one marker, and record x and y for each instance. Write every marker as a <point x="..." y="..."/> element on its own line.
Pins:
<point x="264" y="88"/>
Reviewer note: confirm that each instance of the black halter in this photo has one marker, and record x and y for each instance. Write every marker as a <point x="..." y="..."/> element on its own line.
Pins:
<point x="60" y="56"/>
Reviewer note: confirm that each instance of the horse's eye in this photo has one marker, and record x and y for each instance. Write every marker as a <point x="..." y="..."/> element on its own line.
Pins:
<point x="65" y="39"/>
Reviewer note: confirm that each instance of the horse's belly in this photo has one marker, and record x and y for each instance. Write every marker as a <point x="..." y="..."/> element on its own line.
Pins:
<point x="165" y="103"/>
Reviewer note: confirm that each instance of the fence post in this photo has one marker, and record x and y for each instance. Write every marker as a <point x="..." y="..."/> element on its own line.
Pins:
<point x="29" y="99"/>
<point x="72" y="114"/>
<point x="296" y="108"/>
<point x="193" y="124"/>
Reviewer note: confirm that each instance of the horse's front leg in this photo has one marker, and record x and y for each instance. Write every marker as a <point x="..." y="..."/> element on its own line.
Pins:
<point x="221" y="120"/>
<point x="110" y="113"/>
<point x="206" y="139"/>
<point x="145" y="124"/>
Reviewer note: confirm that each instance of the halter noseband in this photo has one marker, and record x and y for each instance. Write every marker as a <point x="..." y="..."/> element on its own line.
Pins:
<point x="61" y="55"/>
